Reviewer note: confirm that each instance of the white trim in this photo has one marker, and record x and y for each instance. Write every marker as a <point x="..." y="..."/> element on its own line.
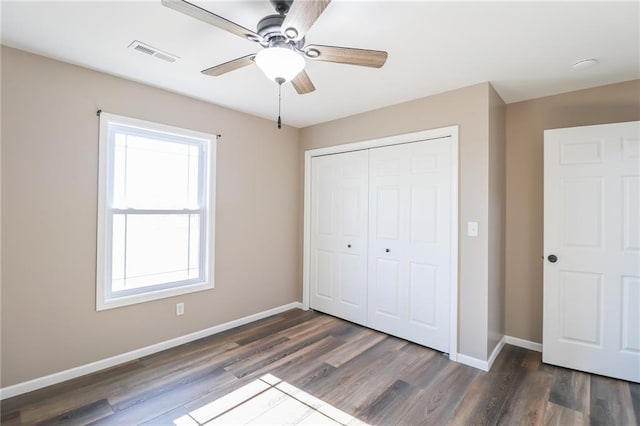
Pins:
<point x="473" y="362"/>
<point x="206" y="144"/>
<point x="522" y="343"/>
<point x="306" y="246"/>
<point x="453" y="296"/>
<point x="116" y="302"/>
<point x="92" y="367"/>
<point x="443" y="132"/>
<point x="496" y="352"/>
<point x="480" y="364"/>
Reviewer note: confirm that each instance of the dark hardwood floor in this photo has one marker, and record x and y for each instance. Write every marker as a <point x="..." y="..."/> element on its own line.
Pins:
<point x="373" y="377"/>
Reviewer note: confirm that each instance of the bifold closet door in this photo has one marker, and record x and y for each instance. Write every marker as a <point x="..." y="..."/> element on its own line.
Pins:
<point x="410" y="241"/>
<point x="339" y="210"/>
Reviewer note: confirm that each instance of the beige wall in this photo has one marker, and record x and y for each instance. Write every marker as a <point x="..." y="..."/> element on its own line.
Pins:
<point x="526" y="122"/>
<point x="497" y="207"/>
<point x="49" y="193"/>
<point x="469" y="108"/>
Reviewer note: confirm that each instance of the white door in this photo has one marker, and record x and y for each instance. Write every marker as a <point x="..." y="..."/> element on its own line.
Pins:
<point x="592" y="249"/>
<point x="410" y="241"/>
<point x="339" y="209"/>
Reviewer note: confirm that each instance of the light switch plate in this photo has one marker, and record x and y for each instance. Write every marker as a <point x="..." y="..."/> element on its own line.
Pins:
<point x="472" y="229"/>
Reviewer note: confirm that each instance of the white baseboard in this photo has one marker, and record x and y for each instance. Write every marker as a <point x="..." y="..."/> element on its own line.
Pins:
<point x="473" y="362"/>
<point x="82" y="370"/>
<point x="506" y="340"/>
<point x="496" y="352"/>
<point x="527" y="344"/>
<point x="481" y="364"/>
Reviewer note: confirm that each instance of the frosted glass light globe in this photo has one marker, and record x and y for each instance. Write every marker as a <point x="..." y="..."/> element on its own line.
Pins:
<point x="279" y="62"/>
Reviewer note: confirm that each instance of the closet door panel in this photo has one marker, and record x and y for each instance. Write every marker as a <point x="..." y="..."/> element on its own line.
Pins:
<point x="424" y="214"/>
<point x="324" y="273"/>
<point x="423" y="294"/>
<point x="351" y="266"/>
<point x="339" y="211"/>
<point x="410" y="229"/>
<point x="385" y="286"/>
<point x="387" y="307"/>
<point x="387" y="207"/>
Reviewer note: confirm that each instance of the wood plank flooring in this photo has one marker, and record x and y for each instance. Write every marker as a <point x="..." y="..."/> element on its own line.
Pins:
<point x="309" y="368"/>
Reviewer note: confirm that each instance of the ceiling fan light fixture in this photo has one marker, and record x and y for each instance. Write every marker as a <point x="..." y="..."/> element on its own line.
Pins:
<point x="280" y="62"/>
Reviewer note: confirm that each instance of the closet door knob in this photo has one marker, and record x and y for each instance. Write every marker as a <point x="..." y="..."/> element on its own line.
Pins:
<point x="348" y="245"/>
<point x="387" y="250"/>
<point x="552" y="258"/>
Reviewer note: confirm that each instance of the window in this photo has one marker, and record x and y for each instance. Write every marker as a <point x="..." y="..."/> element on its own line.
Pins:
<point x="155" y="223"/>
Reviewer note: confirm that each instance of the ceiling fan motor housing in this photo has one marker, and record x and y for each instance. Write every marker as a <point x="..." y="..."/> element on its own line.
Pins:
<point x="270" y="29"/>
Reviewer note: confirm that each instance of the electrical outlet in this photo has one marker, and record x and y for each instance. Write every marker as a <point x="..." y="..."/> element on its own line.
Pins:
<point x="180" y="308"/>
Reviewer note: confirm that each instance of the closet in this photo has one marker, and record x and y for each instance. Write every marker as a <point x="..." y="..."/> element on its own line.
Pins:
<point x="380" y="238"/>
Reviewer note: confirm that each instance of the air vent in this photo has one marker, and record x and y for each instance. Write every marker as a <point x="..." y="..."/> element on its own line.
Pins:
<point x="143" y="49"/>
<point x="152" y="51"/>
<point x="165" y="57"/>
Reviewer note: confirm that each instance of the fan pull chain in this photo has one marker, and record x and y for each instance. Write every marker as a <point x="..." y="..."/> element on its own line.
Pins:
<point x="279" y="105"/>
<point x="279" y="80"/>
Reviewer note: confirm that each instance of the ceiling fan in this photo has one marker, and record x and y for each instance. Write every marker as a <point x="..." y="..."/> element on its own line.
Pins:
<point x="282" y="36"/>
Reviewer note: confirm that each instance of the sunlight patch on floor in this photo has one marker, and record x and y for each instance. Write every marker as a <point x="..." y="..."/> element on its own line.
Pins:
<point x="267" y="401"/>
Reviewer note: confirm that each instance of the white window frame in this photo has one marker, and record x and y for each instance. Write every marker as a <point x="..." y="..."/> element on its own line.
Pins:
<point x="105" y="298"/>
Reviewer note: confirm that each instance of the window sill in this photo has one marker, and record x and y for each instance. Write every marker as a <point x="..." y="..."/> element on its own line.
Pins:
<point x="103" y="304"/>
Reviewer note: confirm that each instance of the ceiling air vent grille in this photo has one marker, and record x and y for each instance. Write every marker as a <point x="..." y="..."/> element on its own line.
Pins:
<point x="143" y="49"/>
<point x="152" y="51"/>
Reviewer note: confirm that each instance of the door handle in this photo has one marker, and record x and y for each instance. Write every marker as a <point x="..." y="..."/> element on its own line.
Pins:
<point x="552" y="258"/>
<point x="387" y="250"/>
<point x="348" y="245"/>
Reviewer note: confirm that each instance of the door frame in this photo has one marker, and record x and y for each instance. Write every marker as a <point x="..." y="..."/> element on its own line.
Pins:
<point x="439" y="133"/>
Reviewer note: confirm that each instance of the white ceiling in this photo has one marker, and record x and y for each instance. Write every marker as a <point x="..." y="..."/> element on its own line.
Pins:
<point x="525" y="49"/>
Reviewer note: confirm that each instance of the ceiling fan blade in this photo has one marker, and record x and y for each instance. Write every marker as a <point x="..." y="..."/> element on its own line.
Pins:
<point x="229" y="66"/>
<point x="346" y="55"/>
<point x="301" y="16"/>
<point x="211" y="18"/>
<point x="302" y="83"/>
